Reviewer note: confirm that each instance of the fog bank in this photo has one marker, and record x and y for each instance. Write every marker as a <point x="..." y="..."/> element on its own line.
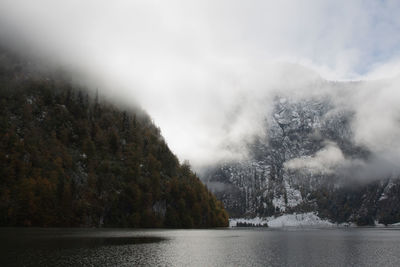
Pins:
<point x="208" y="71"/>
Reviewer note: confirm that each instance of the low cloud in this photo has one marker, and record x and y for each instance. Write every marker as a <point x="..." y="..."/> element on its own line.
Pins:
<point x="325" y="161"/>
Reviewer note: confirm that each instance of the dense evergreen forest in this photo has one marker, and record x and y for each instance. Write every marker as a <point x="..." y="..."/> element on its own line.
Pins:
<point x="68" y="158"/>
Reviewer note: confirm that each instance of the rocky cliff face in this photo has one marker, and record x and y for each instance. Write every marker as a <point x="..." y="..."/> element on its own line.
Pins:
<point x="304" y="163"/>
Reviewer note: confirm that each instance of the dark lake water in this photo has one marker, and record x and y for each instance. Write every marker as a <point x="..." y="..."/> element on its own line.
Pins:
<point x="226" y="247"/>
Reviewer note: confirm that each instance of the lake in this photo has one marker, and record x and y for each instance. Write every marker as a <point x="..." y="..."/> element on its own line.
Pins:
<point x="219" y="247"/>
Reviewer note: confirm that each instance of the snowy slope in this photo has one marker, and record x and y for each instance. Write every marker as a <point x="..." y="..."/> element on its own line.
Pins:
<point x="306" y="141"/>
<point x="309" y="219"/>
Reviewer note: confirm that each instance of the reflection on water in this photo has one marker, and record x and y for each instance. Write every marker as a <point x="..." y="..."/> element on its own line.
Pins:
<point x="238" y="247"/>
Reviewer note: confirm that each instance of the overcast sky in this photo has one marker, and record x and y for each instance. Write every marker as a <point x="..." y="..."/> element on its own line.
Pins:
<point x="188" y="63"/>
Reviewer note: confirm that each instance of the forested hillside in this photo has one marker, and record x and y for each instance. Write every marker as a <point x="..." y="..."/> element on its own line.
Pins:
<point x="68" y="158"/>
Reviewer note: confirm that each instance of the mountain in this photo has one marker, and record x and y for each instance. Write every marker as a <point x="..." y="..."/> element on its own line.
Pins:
<point x="70" y="158"/>
<point x="305" y="161"/>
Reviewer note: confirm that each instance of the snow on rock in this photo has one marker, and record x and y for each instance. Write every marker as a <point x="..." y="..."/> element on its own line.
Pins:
<point x="279" y="202"/>
<point x="287" y="220"/>
<point x="386" y="191"/>
<point x="293" y="196"/>
<point x="296" y="220"/>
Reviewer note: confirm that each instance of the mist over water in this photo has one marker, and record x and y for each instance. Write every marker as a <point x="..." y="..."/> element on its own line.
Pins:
<point x="208" y="73"/>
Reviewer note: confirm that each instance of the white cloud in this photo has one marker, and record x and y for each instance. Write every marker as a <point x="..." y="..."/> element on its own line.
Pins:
<point x="325" y="161"/>
<point x="206" y="70"/>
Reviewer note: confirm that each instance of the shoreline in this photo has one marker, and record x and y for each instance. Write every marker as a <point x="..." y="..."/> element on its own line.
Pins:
<point x="300" y="220"/>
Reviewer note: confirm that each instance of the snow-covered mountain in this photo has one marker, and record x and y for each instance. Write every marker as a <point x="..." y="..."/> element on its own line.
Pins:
<point x="306" y="161"/>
